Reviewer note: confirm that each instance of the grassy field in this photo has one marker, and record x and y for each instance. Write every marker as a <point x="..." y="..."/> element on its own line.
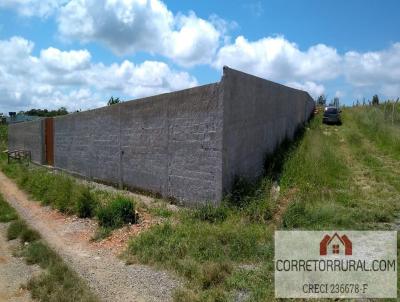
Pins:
<point x="332" y="177"/>
<point x="57" y="282"/>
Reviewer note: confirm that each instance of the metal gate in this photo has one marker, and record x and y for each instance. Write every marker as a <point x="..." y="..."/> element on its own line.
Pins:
<point x="49" y="140"/>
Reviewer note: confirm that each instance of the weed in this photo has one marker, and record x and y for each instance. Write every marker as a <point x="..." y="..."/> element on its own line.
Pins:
<point x="102" y="233"/>
<point x="86" y="204"/>
<point x="29" y="235"/>
<point x="118" y="212"/>
<point x="7" y="213"/>
<point x="209" y="212"/>
<point x="39" y="253"/>
<point x="15" y="229"/>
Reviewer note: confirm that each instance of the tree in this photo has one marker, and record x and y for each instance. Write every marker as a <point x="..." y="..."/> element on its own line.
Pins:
<point x="321" y="100"/>
<point x="113" y="101"/>
<point x="375" y="100"/>
<point x="47" y="113"/>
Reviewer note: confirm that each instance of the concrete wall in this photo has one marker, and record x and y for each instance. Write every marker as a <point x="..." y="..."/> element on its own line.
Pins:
<point x="258" y="115"/>
<point x="188" y="145"/>
<point x="170" y="144"/>
<point x="28" y="136"/>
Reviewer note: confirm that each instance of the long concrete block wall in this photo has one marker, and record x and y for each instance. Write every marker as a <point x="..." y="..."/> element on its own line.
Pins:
<point x="28" y="136"/>
<point x="188" y="145"/>
<point x="168" y="144"/>
<point x="258" y="115"/>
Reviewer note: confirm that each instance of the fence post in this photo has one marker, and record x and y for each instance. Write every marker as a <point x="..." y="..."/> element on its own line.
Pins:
<point x="393" y="114"/>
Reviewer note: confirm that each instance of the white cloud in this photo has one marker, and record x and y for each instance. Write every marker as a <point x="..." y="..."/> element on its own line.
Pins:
<point x="129" y="26"/>
<point x="68" y="78"/>
<point x="194" y="42"/>
<point x="29" y="8"/>
<point x="278" y="59"/>
<point x="379" y="70"/>
<point x="312" y="88"/>
<point x="65" y="61"/>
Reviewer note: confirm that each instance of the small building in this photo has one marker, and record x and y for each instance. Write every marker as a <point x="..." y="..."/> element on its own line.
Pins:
<point x="14" y="118"/>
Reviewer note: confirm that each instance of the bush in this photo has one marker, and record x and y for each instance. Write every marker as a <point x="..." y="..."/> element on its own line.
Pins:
<point x="15" y="229"/>
<point x="86" y="204"/>
<point x="29" y="235"/>
<point x="120" y="211"/>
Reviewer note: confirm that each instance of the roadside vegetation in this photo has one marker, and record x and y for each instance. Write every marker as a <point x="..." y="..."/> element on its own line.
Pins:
<point x="3" y="139"/>
<point x="7" y="213"/>
<point x="331" y="177"/>
<point x="63" y="193"/>
<point x="57" y="282"/>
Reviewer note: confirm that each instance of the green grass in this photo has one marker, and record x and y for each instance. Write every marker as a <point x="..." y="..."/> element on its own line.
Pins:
<point x="116" y="213"/>
<point x="3" y="137"/>
<point x="331" y="177"/>
<point x="7" y="213"/>
<point x="64" y="193"/>
<point x="57" y="282"/>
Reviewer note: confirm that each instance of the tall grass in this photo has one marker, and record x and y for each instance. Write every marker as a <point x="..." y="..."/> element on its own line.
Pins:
<point x="7" y="213"/>
<point x="57" y="282"/>
<point x="376" y="124"/>
<point x="64" y="193"/>
<point x="330" y="178"/>
<point x="3" y="137"/>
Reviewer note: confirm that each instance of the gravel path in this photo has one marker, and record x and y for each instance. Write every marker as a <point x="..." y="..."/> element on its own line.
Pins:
<point x="13" y="271"/>
<point x="105" y="274"/>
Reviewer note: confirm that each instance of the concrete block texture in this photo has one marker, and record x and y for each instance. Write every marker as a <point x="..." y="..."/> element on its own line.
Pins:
<point x="257" y="116"/>
<point x="188" y="145"/>
<point x="168" y="144"/>
<point x="28" y="136"/>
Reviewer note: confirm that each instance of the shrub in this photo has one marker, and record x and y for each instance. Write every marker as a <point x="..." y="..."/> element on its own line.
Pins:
<point x="86" y="204"/>
<point x="15" y="229"/>
<point x="120" y="211"/>
<point x="29" y="235"/>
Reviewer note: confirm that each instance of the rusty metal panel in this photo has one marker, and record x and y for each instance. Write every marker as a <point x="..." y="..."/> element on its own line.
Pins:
<point x="49" y="140"/>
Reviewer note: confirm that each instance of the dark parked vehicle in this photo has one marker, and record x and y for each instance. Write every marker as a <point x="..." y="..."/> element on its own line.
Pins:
<point x="332" y="116"/>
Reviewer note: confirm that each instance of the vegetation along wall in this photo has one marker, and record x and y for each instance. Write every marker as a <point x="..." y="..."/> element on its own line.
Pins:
<point x="28" y="136"/>
<point x="188" y="145"/>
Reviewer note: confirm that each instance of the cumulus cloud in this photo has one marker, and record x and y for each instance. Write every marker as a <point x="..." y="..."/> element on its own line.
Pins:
<point x="129" y="26"/>
<point x="375" y="69"/>
<point x="68" y="78"/>
<point x="278" y="59"/>
<point x="65" y="61"/>
<point x="312" y="88"/>
<point x="29" y="8"/>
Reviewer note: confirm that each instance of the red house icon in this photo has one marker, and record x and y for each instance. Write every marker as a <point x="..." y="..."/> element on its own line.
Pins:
<point x="333" y="245"/>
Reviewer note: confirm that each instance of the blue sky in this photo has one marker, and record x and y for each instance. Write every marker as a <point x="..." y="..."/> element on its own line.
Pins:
<point x="77" y="53"/>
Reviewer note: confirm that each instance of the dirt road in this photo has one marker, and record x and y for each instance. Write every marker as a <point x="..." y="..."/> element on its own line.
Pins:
<point x="106" y="275"/>
<point x="13" y="272"/>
